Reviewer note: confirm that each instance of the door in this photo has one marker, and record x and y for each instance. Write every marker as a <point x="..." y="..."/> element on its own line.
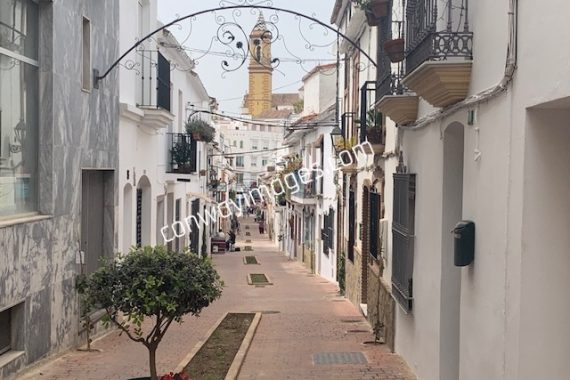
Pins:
<point x="139" y="216"/>
<point x="195" y="231"/>
<point x="92" y="218"/>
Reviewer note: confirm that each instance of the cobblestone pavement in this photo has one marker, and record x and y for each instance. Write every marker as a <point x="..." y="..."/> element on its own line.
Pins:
<point x="303" y="316"/>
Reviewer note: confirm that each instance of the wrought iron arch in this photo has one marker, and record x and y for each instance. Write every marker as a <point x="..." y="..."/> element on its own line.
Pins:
<point x="354" y="44"/>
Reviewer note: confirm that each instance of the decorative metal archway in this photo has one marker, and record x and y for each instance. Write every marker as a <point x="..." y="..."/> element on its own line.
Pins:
<point x="227" y="38"/>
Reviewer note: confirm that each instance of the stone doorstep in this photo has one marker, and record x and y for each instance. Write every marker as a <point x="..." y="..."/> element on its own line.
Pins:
<point x="235" y="367"/>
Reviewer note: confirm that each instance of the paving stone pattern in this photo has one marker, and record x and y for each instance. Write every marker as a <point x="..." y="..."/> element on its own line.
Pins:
<point x="304" y="319"/>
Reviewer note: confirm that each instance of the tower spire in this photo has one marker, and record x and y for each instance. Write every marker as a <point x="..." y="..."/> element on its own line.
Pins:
<point x="260" y="25"/>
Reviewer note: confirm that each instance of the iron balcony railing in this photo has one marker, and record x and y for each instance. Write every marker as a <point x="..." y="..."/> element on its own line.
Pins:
<point x="426" y="43"/>
<point x="306" y="190"/>
<point x="154" y="89"/>
<point x="390" y="85"/>
<point x="182" y="155"/>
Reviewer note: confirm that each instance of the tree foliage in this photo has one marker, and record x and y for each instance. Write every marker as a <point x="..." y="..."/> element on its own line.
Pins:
<point x="152" y="282"/>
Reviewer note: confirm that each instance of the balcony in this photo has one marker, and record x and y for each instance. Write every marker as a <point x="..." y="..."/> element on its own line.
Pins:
<point x="438" y="63"/>
<point x="154" y="91"/>
<point x="182" y="154"/>
<point x="306" y="194"/>
<point x="396" y="101"/>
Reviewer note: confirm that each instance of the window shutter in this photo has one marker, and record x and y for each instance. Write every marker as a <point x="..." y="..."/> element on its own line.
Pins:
<point x="374" y="224"/>
<point x="163" y="83"/>
<point x="351" y="224"/>
<point x="193" y="155"/>
<point x="403" y="239"/>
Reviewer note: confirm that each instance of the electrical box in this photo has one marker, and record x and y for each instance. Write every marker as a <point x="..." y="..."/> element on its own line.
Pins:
<point x="464" y="242"/>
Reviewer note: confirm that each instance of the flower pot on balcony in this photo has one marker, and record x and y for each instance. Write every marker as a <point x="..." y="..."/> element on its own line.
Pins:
<point x="372" y="20"/>
<point x="375" y="136"/>
<point x="379" y="8"/>
<point x="395" y="49"/>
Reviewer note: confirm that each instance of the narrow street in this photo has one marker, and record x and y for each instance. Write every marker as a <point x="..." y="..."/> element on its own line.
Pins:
<point x="302" y="316"/>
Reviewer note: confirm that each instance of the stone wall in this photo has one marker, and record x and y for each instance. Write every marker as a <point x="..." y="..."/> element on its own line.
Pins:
<point x="354" y="278"/>
<point x="381" y="306"/>
<point x="77" y="130"/>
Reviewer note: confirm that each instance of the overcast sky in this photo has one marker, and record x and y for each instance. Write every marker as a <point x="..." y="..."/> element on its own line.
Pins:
<point x="230" y="88"/>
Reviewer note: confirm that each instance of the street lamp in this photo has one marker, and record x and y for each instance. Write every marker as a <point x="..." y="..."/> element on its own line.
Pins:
<point x="337" y="138"/>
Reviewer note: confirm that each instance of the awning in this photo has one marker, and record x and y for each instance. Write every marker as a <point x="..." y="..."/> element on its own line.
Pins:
<point x="204" y="197"/>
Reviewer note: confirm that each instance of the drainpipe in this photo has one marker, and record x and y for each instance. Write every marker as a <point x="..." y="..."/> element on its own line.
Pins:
<point x="474" y="100"/>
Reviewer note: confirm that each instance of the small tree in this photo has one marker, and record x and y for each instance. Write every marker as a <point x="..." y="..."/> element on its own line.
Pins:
<point x="155" y="283"/>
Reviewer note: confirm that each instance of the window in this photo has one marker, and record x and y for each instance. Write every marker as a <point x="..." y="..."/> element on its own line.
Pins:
<point x="5" y="331"/>
<point x="181" y="116"/>
<point x="86" y="41"/>
<point x="403" y="239"/>
<point x="234" y="143"/>
<point x="239" y="161"/>
<point x="239" y="178"/>
<point x="254" y="127"/>
<point x="254" y="144"/>
<point x="265" y="144"/>
<point x="19" y="107"/>
<point x="264" y="161"/>
<point x="241" y="144"/>
<point x="262" y="128"/>
<point x="163" y="84"/>
<point x="327" y="233"/>
<point x="351" y="224"/>
<point x="374" y="225"/>
<point x="254" y="161"/>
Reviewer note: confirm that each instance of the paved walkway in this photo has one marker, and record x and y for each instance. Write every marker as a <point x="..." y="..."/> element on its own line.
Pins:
<point x="303" y="316"/>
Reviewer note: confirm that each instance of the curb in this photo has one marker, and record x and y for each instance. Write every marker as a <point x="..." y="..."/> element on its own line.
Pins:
<point x="235" y="367"/>
<point x="233" y="372"/>
<point x="199" y="345"/>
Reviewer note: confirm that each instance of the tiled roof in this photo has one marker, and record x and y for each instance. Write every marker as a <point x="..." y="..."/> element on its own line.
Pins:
<point x="284" y="99"/>
<point x="306" y="119"/>
<point x="275" y="114"/>
<point x="319" y="69"/>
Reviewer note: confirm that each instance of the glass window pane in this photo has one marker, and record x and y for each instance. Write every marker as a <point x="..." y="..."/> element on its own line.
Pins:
<point x="19" y="27"/>
<point x="18" y="136"/>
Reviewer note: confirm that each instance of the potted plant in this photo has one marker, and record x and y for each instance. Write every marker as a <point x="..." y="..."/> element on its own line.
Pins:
<point x="142" y="285"/>
<point x="374" y="9"/>
<point x="374" y="130"/>
<point x="200" y="130"/>
<point x="214" y="183"/>
<point x="343" y="144"/>
<point x="181" y="157"/>
<point x="395" y="49"/>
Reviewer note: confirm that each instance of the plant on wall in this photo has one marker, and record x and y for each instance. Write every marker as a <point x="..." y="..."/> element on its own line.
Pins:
<point x="374" y="130"/>
<point x="374" y="9"/>
<point x="200" y="130"/>
<point x="345" y="144"/>
<point x="152" y="282"/>
<point x="181" y="154"/>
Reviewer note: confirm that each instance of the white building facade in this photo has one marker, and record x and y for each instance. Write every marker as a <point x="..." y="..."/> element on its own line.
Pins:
<point x="159" y="92"/>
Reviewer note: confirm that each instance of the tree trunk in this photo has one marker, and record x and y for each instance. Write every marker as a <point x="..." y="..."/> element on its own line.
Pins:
<point x="152" y="361"/>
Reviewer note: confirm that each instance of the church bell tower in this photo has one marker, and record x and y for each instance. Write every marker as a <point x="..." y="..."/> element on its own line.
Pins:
<point x="260" y="71"/>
